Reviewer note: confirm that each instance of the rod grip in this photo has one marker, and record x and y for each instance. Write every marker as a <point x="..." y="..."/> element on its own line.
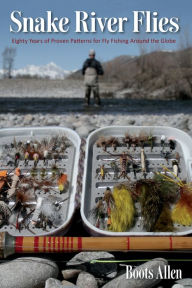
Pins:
<point x="2" y="245"/>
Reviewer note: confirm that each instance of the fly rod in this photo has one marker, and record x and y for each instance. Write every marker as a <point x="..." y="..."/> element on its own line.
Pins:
<point x="10" y="245"/>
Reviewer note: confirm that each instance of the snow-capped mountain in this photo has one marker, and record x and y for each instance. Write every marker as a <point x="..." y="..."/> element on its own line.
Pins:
<point x="50" y="70"/>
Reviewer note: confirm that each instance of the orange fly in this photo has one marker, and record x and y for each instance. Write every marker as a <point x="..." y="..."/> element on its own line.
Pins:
<point x="3" y="176"/>
<point x="62" y="182"/>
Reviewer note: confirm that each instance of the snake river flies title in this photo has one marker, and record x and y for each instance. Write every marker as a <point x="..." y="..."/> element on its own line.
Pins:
<point x="147" y="21"/>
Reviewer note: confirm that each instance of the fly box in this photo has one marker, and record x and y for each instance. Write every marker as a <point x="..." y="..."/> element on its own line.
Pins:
<point x="38" y="177"/>
<point x="137" y="182"/>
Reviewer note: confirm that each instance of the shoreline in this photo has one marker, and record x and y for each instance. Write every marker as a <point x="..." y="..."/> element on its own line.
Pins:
<point x="83" y="124"/>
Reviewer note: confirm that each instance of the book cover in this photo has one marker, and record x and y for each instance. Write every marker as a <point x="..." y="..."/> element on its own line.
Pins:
<point x="95" y="141"/>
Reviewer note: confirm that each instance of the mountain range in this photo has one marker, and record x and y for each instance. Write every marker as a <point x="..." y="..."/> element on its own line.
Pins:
<point x="50" y="71"/>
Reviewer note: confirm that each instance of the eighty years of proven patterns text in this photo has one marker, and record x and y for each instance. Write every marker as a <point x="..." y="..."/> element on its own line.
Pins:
<point x="93" y="40"/>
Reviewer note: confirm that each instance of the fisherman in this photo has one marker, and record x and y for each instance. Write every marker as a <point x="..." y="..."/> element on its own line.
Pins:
<point x="91" y="69"/>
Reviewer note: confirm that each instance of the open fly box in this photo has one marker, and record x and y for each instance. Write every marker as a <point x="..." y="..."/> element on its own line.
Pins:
<point x="38" y="176"/>
<point x="116" y="155"/>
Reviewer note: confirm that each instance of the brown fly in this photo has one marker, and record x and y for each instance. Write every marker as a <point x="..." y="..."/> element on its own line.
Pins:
<point x="127" y="140"/>
<point x="102" y="143"/>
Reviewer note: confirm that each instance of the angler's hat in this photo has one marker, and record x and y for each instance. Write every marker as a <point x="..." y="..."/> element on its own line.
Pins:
<point x="91" y="52"/>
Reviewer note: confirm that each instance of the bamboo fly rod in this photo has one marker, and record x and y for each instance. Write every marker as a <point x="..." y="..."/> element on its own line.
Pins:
<point x="10" y="245"/>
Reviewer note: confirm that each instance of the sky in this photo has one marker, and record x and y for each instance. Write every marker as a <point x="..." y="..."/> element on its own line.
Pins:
<point x="71" y="56"/>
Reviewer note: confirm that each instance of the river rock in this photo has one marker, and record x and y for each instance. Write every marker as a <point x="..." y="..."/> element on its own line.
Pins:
<point x="70" y="273"/>
<point x="189" y="124"/>
<point x="67" y="284"/>
<point x="53" y="283"/>
<point x="68" y="125"/>
<point x="180" y="122"/>
<point x="154" y="265"/>
<point x="86" y="280"/>
<point x="103" y="269"/>
<point x="52" y="122"/>
<point x="84" y="257"/>
<point x="28" y="118"/>
<point x="27" y="272"/>
<point x="99" y="270"/>
<point x="85" y="129"/>
<point x="185" y="281"/>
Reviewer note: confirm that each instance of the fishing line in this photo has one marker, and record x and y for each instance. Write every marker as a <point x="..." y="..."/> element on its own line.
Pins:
<point x="136" y="260"/>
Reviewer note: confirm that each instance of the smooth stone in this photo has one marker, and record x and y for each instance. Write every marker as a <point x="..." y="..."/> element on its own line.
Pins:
<point x="122" y="282"/>
<point x="177" y="286"/>
<point x="101" y="281"/>
<point x="84" y="130"/>
<point x="184" y="281"/>
<point x="28" y="118"/>
<point x="53" y="283"/>
<point x="27" y="272"/>
<point x="69" y="125"/>
<point x="180" y="123"/>
<point x="131" y="122"/>
<point x="70" y="273"/>
<point x="67" y="284"/>
<point x="189" y="124"/>
<point x="99" y="270"/>
<point x="86" y="280"/>
<point x="108" y="270"/>
<point x="52" y="123"/>
<point x="84" y="257"/>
